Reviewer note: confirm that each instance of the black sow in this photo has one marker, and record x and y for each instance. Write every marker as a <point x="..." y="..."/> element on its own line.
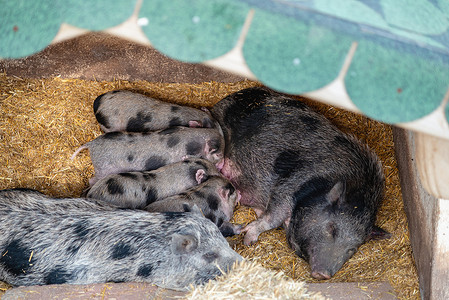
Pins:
<point x="298" y="170"/>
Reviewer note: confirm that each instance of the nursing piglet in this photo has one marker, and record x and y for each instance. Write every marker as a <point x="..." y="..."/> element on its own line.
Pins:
<point x="133" y="112"/>
<point x="117" y="152"/>
<point x="216" y="198"/>
<point x="141" y="188"/>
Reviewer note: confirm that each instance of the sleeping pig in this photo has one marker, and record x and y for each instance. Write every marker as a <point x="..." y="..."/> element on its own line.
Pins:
<point x="54" y="241"/>
<point x="117" y="152"/>
<point x="133" y="112"/>
<point x="216" y="198"/>
<point x="298" y="170"/>
<point x="141" y="188"/>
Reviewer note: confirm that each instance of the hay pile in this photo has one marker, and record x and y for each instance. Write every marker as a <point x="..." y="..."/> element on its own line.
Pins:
<point x="42" y="122"/>
<point x="249" y="280"/>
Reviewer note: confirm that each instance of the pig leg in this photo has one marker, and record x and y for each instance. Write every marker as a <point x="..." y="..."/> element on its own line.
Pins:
<point x="276" y="213"/>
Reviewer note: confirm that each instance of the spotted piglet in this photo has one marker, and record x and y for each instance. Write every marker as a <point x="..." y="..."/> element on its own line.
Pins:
<point x="117" y="152"/>
<point x="133" y="112"/>
<point x="141" y="188"/>
<point x="45" y="240"/>
<point x="216" y="197"/>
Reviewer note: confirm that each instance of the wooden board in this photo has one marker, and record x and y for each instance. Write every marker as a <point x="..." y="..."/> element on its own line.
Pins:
<point x="428" y="216"/>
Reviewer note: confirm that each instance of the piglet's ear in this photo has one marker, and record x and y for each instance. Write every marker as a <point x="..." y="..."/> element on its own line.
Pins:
<point x="183" y="243"/>
<point x="200" y="176"/>
<point x="379" y="234"/>
<point x="196" y="210"/>
<point x="337" y="193"/>
<point x="195" y="124"/>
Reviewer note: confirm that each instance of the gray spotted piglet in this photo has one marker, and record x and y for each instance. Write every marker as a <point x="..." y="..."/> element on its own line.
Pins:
<point x="45" y="240"/>
<point x="117" y="152"/>
<point x="133" y="112"/>
<point x="141" y="188"/>
<point x="216" y="198"/>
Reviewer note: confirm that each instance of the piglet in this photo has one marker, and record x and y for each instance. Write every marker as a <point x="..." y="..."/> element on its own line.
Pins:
<point x="216" y="197"/>
<point x="141" y="188"/>
<point x="117" y="152"/>
<point x="133" y="112"/>
<point x="45" y="240"/>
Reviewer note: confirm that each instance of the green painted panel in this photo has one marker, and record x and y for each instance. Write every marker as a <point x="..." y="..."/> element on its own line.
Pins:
<point x="419" y="16"/>
<point x="444" y="6"/>
<point x="446" y="111"/>
<point x="27" y="27"/>
<point x="351" y="10"/>
<point x="195" y="30"/>
<point x="97" y="14"/>
<point x="393" y="86"/>
<point x="293" y="56"/>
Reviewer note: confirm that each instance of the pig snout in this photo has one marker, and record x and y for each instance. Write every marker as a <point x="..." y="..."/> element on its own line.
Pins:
<point x="324" y="268"/>
<point x="321" y="275"/>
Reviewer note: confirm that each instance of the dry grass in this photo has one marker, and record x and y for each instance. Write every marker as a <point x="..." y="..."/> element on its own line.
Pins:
<point x="42" y="122"/>
<point x="259" y="283"/>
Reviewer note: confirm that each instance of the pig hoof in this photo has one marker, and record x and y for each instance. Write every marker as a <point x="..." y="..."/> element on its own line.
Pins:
<point x="248" y="240"/>
<point x="252" y="234"/>
<point x="250" y="237"/>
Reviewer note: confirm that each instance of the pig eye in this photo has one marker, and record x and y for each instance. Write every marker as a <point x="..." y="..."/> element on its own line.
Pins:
<point x="302" y="254"/>
<point x="210" y="256"/>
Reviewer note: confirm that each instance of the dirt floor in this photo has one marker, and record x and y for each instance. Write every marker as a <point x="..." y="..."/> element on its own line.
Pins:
<point x="43" y="121"/>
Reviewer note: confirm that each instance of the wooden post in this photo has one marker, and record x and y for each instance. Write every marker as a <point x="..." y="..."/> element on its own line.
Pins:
<point x="423" y="163"/>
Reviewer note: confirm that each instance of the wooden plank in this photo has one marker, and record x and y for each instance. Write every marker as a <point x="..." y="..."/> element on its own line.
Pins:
<point x="432" y="160"/>
<point x="440" y="272"/>
<point x="428" y="219"/>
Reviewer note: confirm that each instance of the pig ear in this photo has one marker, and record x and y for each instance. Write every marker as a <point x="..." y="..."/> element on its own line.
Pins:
<point x="200" y="176"/>
<point x="336" y="194"/>
<point x="195" y="123"/>
<point x="196" y="210"/>
<point x="207" y="123"/>
<point x="378" y="233"/>
<point x="183" y="243"/>
<point x="212" y="146"/>
<point x="224" y="193"/>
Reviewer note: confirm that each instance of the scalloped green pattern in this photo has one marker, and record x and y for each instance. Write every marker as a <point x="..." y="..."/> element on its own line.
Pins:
<point x="399" y="73"/>
<point x="420" y="16"/>
<point x="27" y="27"/>
<point x="393" y="86"/>
<point x="195" y="30"/>
<point x="98" y="14"/>
<point x="446" y="112"/>
<point x="292" y="56"/>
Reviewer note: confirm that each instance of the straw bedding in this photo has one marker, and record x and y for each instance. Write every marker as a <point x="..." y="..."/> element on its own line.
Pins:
<point x="43" y="121"/>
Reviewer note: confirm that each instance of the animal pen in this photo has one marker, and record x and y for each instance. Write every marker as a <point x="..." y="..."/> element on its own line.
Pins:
<point x="379" y="70"/>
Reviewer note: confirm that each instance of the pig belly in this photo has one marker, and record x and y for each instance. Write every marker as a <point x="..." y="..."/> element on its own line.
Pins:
<point x="230" y="170"/>
<point x="249" y="197"/>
